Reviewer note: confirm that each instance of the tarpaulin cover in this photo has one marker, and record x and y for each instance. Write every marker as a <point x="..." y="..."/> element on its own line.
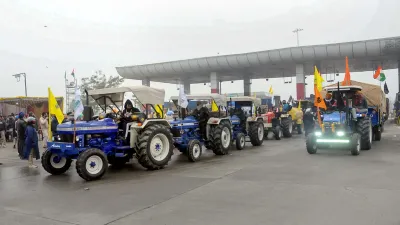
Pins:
<point x="373" y="94"/>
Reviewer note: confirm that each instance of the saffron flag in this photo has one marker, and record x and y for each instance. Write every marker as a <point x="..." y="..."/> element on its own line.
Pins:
<point x="318" y="101"/>
<point x="347" y="80"/>
<point x="377" y="72"/>
<point x="318" y="79"/>
<point x="271" y="91"/>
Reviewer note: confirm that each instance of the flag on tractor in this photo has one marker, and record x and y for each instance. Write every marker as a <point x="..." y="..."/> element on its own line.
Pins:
<point x="214" y="107"/>
<point x="159" y="111"/>
<point x="385" y="88"/>
<point x="73" y="73"/>
<point x="271" y="91"/>
<point x="318" y="101"/>
<point x="347" y="80"/>
<point x="54" y="109"/>
<point x="182" y="101"/>
<point x="377" y="72"/>
<point x="318" y="79"/>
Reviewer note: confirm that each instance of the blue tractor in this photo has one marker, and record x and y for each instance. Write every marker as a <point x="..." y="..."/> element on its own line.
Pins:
<point x="115" y="139"/>
<point x="201" y="126"/>
<point x="345" y="123"/>
<point x="244" y="113"/>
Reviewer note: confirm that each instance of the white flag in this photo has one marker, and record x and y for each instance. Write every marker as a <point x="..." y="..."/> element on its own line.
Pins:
<point x="78" y="106"/>
<point x="182" y="101"/>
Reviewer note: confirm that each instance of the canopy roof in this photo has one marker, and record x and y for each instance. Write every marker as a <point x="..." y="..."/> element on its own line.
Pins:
<point x="146" y="95"/>
<point x="363" y="55"/>
<point x="342" y="88"/>
<point x="256" y="101"/>
<point x="220" y="100"/>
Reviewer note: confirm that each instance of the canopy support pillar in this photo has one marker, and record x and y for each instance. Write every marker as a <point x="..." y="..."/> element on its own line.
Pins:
<point x="214" y="80"/>
<point x="246" y="86"/>
<point x="300" y="82"/>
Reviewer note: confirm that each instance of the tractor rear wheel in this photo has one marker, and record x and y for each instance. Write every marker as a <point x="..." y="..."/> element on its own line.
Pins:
<point x="287" y="127"/>
<point x="220" y="138"/>
<point x="256" y="133"/>
<point x="155" y="147"/>
<point x="55" y="164"/>
<point x="91" y="164"/>
<point x="364" y="128"/>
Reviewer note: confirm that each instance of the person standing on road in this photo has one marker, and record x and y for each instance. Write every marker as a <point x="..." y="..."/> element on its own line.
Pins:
<point x="16" y="131"/>
<point x="3" y="128"/>
<point x="44" y="125"/>
<point x="21" y="127"/>
<point x="31" y="142"/>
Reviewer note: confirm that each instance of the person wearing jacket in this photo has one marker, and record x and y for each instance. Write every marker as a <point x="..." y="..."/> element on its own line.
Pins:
<point x="21" y="127"/>
<point x="44" y="126"/>
<point x="31" y="142"/>
<point x="3" y="128"/>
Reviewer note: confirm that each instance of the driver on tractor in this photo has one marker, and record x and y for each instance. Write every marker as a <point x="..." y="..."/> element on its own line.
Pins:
<point x="201" y="113"/>
<point x="127" y="113"/>
<point x="329" y="101"/>
<point x="285" y="106"/>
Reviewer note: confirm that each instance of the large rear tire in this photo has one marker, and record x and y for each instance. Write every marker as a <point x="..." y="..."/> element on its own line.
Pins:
<point x="91" y="164"/>
<point x="377" y="134"/>
<point x="364" y="128"/>
<point x="155" y="147"/>
<point x="220" y="138"/>
<point x="287" y="126"/>
<point x="54" y="164"/>
<point x="256" y="133"/>
<point x="278" y="133"/>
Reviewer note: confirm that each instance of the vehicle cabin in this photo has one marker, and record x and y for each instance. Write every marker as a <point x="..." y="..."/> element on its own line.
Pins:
<point x="207" y="99"/>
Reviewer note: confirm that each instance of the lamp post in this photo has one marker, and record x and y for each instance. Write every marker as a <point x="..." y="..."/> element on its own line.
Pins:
<point x="297" y="34"/>
<point x="18" y="77"/>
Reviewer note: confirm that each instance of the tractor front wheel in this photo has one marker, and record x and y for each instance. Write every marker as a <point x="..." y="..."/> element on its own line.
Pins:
<point x="355" y="144"/>
<point x="311" y="144"/>
<point x="240" y="141"/>
<point x="287" y="127"/>
<point x="364" y="128"/>
<point x="54" y="164"/>
<point x="194" y="150"/>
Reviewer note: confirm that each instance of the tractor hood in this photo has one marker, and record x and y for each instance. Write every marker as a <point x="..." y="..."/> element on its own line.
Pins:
<point x="188" y="121"/>
<point x="334" y="117"/>
<point x="82" y="127"/>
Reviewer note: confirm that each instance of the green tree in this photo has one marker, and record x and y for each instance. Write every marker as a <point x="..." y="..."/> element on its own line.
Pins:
<point x="98" y="81"/>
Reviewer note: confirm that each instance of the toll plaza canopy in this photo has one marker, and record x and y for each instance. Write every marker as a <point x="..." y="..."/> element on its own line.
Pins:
<point x="363" y="56"/>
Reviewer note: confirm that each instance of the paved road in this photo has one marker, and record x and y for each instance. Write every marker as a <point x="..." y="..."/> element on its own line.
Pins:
<point x="278" y="183"/>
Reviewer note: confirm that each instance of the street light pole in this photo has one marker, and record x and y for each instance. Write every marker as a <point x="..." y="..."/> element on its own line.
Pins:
<point x="18" y="77"/>
<point x="297" y="34"/>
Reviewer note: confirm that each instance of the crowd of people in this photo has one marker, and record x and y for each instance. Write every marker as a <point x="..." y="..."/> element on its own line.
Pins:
<point x="24" y="131"/>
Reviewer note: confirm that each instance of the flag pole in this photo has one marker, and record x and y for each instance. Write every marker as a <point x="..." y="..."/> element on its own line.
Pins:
<point x="48" y="106"/>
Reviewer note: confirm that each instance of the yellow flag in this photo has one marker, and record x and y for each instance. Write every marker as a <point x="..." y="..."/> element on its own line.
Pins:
<point x="159" y="110"/>
<point x="299" y="104"/>
<point x="318" y="79"/>
<point x="54" y="108"/>
<point x="271" y="91"/>
<point x="214" y="107"/>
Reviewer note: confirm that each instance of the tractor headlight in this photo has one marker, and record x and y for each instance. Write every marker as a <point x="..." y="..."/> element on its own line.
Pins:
<point x="340" y="133"/>
<point x="318" y="133"/>
<point x="77" y="138"/>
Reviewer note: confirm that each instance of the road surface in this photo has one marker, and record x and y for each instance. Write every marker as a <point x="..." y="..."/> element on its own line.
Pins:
<point x="278" y="183"/>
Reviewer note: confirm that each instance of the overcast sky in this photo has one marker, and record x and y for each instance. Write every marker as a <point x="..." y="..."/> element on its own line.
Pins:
<point x="98" y="34"/>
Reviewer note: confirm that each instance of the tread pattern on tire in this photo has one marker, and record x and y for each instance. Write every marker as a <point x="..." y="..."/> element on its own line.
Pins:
<point x="46" y="157"/>
<point x="253" y="133"/>
<point x="143" y="143"/>
<point x="310" y="144"/>
<point x="285" y="125"/>
<point x="215" y="139"/>
<point x="238" y="144"/>
<point x="190" y="153"/>
<point x="353" y="144"/>
<point x="81" y="164"/>
<point x="363" y="127"/>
